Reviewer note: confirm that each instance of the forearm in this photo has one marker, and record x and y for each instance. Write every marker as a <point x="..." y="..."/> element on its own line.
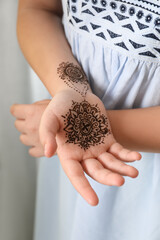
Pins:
<point x="43" y="43"/>
<point x="137" y="129"/>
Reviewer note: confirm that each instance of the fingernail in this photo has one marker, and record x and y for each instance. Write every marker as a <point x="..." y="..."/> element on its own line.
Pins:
<point x="139" y="157"/>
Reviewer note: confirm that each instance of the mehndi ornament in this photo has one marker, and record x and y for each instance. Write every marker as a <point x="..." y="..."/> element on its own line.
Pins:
<point x="84" y="123"/>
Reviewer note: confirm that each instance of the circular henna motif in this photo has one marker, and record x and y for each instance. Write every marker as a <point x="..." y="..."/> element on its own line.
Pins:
<point x="85" y="125"/>
<point x="72" y="73"/>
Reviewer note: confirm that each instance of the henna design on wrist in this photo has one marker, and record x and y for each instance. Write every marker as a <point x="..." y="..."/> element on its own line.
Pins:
<point x="73" y="75"/>
<point x="85" y="125"/>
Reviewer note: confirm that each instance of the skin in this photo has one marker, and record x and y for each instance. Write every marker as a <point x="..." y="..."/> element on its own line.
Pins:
<point x="28" y="117"/>
<point x="85" y="126"/>
<point x="42" y="47"/>
<point x="28" y="120"/>
<point x="104" y="163"/>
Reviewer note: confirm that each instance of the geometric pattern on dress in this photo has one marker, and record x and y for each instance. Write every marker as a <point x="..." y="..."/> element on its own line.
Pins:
<point x="129" y="26"/>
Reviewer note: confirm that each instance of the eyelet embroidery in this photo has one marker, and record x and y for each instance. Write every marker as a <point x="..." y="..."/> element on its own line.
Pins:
<point x="123" y="8"/>
<point x="103" y="3"/>
<point x="116" y="20"/>
<point x="113" y="5"/>
<point x="132" y="11"/>
<point x="139" y="14"/>
<point x="157" y="22"/>
<point x="94" y="1"/>
<point x="74" y="9"/>
<point x="148" y="18"/>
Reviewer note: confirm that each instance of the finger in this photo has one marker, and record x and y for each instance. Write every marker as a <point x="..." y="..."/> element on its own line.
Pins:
<point x="49" y="127"/>
<point x="75" y="173"/>
<point x="124" y="154"/>
<point x="44" y="101"/>
<point x="36" y="151"/>
<point x="20" y="126"/>
<point x="19" y="110"/>
<point x="113" y="164"/>
<point x="96" y="171"/>
<point x="26" y="140"/>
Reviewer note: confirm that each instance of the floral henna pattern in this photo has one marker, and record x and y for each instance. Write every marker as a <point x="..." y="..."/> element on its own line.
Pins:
<point x="73" y="75"/>
<point x="85" y="125"/>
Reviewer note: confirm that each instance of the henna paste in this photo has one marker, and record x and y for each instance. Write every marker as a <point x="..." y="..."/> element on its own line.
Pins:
<point x="85" y="125"/>
<point x="73" y="75"/>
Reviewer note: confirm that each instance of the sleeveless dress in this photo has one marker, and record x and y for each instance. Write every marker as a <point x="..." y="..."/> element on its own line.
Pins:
<point x="118" y="45"/>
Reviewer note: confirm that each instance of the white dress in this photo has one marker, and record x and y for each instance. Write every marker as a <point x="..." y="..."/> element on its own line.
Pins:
<point x="118" y="45"/>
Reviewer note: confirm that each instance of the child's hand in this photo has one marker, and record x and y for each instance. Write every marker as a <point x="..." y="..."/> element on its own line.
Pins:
<point x="27" y="122"/>
<point x="80" y="133"/>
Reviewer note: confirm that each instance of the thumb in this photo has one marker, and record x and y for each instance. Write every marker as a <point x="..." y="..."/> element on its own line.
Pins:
<point x="49" y="127"/>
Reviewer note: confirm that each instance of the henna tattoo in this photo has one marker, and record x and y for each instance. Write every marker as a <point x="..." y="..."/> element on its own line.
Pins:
<point x="72" y="72"/>
<point x="85" y="125"/>
<point x="73" y="75"/>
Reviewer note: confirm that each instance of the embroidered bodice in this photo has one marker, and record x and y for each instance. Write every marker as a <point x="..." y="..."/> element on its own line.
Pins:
<point x="129" y="26"/>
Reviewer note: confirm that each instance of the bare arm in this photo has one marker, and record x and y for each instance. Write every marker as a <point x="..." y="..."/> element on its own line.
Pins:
<point x="137" y="129"/>
<point x="42" y="40"/>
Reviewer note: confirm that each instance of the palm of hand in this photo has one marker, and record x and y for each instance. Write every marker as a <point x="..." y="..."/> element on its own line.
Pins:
<point x="80" y="132"/>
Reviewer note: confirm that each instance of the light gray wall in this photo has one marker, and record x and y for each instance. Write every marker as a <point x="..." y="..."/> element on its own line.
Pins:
<point x="17" y="169"/>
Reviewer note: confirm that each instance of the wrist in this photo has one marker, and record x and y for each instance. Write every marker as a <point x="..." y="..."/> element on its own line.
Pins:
<point x="73" y="76"/>
<point x="74" y="88"/>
